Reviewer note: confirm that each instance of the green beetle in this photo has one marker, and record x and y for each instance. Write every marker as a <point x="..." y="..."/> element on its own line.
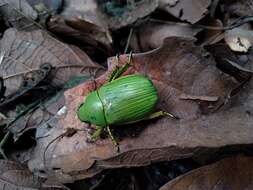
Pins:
<point x="122" y="100"/>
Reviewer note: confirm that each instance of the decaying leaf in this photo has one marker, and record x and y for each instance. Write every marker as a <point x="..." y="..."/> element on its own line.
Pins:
<point x="130" y="12"/>
<point x="35" y="117"/>
<point x="93" y="37"/>
<point x="231" y="173"/>
<point x="14" y="176"/>
<point x="150" y="35"/>
<point x="213" y="36"/>
<point x="189" y="10"/>
<point x="25" y="52"/>
<point x="174" y="70"/>
<point x="47" y="6"/>
<point x="239" y="8"/>
<point x="18" y="14"/>
<point x="40" y="113"/>
<point x="108" y="14"/>
<point x="236" y="65"/>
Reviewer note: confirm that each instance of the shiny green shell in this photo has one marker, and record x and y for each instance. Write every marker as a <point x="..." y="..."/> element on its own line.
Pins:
<point x="125" y="100"/>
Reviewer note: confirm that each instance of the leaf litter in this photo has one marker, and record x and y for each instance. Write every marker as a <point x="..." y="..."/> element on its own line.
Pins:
<point x="53" y="54"/>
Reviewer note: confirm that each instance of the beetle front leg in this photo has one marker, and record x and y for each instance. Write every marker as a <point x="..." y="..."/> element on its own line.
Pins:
<point x="120" y="70"/>
<point x="97" y="133"/>
<point x="114" y="141"/>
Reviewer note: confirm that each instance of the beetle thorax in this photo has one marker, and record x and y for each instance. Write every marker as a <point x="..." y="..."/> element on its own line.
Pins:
<point x="92" y="110"/>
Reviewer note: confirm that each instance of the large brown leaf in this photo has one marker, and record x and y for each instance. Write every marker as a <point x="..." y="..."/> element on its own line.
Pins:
<point x="231" y="173"/>
<point x="27" y="51"/>
<point x="179" y="70"/>
<point x="24" y="53"/>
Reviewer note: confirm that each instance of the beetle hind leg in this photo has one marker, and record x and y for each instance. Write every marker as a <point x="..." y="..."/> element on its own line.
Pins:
<point x="120" y="70"/>
<point x="114" y="141"/>
<point x="160" y="114"/>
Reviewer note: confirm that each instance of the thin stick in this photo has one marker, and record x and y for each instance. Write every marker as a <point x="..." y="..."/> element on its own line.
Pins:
<point x="237" y="23"/>
<point x="38" y="69"/>
<point x="3" y="141"/>
<point x="128" y="40"/>
<point x="31" y="20"/>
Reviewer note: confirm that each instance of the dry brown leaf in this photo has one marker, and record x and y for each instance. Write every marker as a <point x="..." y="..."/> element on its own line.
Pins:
<point x="231" y="173"/>
<point x="189" y="10"/>
<point x="91" y="11"/>
<point x="36" y="117"/>
<point x="212" y="36"/>
<point x="93" y="37"/>
<point x="239" y="8"/>
<point x="26" y="51"/>
<point x="6" y="165"/>
<point x="18" y="13"/>
<point x="14" y="176"/>
<point x="151" y="35"/>
<point x="174" y="70"/>
<point x="241" y="70"/>
<point x="46" y="6"/>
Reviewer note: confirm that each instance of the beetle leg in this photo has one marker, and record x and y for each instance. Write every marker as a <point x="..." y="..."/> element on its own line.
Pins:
<point x="114" y="141"/>
<point x="160" y="114"/>
<point x="120" y="70"/>
<point x="97" y="133"/>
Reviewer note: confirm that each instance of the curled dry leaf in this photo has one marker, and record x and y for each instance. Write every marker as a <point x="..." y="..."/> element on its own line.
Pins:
<point x="231" y="173"/>
<point x="237" y="65"/>
<point x="18" y="13"/>
<point x="239" y="39"/>
<point x="14" y="176"/>
<point x="189" y="10"/>
<point x="174" y="70"/>
<point x="25" y="52"/>
<point x="91" y="35"/>
<point x="107" y="14"/>
<point x="239" y="8"/>
<point x="151" y="34"/>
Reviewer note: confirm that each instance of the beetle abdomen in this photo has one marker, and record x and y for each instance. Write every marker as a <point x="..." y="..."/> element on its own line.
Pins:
<point x="128" y="99"/>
